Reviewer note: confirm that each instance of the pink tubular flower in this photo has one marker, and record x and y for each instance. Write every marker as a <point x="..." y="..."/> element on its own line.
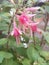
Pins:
<point x="24" y="18"/>
<point x="33" y="26"/>
<point x="16" y="32"/>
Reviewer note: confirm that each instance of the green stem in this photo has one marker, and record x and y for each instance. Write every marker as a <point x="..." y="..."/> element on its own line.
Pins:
<point x="34" y="38"/>
<point x="46" y="21"/>
<point x="9" y="30"/>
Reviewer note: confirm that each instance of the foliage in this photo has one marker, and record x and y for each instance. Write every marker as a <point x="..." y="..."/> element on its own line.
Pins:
<point x="21" y="38"/>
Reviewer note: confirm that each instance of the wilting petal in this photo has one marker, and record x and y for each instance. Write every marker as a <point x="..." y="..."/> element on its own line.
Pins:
<point x="39" y="19"/>
<point x="31" y="15"/>
<point x="32" y="9"/>
<point x="12" y="1"/>
<point x="39" y="31"/>
<point x="34" y="23"/>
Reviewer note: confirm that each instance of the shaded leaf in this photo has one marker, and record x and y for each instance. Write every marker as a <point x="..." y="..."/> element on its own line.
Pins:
<point x="21" y="51"/>
<point x="9" y="62"/>
<point x="3" y="41"/>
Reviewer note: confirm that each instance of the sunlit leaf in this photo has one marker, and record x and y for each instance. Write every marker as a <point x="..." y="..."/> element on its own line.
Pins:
<point x="5" y="55"/>
<point x="26" y="62"/>
<point x="32" y="54"/>
<point x="45" y="54"/>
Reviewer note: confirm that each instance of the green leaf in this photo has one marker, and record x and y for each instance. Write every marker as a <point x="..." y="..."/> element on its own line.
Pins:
<point x="37" y="63"/>
<point x="32" y="54"/>
<point x="4" y="20"/>
<point x="45" y="54"/>
<point x="7" y="4"/>
<point x="47" y="8"/>
<point x="35" y="1"/>
<point x="26" y="62"/>
<point x="47" y="28"/>
<point x="29" y="3"/>
<point x="25" y="39"/>
<point x="5" y="14"/>
<point x="40" y="61"/>
<point x="46" y="3"/>
<point x="5" y="55"/>
<point x="8" y="55"/>
<point x="19" y="50"/>
<point x="1" y="56"/>
<point x="1" y="59"/>
<point x="46" y="36"/>
<point x="9" y="62"/>
<point x="12" y="42"/>
<point x="3" y="28"/>
<point x="3" y="41"/>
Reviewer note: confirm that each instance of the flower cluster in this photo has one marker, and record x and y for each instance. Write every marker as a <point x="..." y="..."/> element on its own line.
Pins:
<point x="25" y="22"/>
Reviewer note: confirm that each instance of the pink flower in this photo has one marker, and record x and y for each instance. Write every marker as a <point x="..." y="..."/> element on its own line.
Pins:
<point x="16" y="32"/>
<point x="23" y="19"/>
<point x="33" y="26"/>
